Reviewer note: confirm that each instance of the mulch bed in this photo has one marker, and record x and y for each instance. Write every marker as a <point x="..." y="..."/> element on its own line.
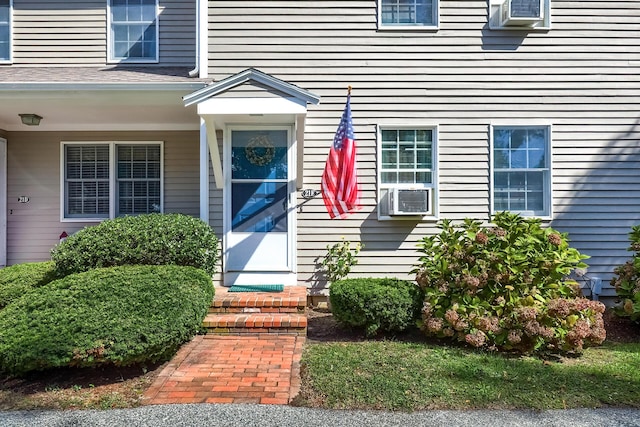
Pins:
<point x="322" y="328"/>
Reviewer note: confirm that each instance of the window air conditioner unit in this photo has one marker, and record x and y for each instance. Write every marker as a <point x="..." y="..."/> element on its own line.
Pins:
<point x="521" y="12"/>
<point x="409" y="202"/>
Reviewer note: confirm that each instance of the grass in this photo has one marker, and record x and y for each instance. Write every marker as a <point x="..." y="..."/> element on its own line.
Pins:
<point x="414" y="376"/>
<point x="77" y="389"/>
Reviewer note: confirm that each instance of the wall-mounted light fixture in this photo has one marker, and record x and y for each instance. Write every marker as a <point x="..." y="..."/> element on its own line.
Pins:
<point x="30" y="119"/>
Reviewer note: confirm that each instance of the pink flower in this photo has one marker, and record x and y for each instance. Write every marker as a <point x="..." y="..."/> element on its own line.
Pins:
<point x="434" y="325"/>
<point x="451" y="316"/>
<point x="554" y="239"/>
<point x="477" y="339"/>
<point x="482" y="238"/>
<point x="514" y="337"/>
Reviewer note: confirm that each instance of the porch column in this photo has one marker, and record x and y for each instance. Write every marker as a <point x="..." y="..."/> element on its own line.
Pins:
<point x="204" y="173"/>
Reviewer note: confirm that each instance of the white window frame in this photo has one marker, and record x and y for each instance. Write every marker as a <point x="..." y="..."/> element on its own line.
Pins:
<point x="386" y="187"/>
<point x="495" y="19"/>
<point x="9" y="60"/>
<point x="547" y="213"/>
<point x="113" y="178"/>
<point x="112" y="59"/>
<point x="404" y="27"/>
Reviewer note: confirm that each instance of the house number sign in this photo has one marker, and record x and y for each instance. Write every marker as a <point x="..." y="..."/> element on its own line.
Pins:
<point x="23" y="199"/>
<point x="309" y="193"/>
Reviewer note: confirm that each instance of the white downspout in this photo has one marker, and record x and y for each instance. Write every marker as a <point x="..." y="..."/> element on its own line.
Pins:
<point x="202" y="18"/>
<point x="203" y="29"/>
<point x="196" y="71"/>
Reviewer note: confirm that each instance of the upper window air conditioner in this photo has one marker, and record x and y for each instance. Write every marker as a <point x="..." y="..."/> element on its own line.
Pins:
<point x="409" y="202"/>
<point x="521" y="12"/>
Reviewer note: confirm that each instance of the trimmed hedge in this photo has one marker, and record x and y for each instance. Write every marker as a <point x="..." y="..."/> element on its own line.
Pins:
<point x="374" y="304"/>
<point x="119" y="316"/>
<point x="153" y="239"/>
<point x="19" y="279"/>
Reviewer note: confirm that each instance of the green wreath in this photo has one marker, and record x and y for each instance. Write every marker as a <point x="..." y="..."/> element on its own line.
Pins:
<point x="260" y="151"/>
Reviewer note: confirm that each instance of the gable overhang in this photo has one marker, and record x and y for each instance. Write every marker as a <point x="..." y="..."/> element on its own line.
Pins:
<point x="250" y="75"/>
<point x="287" y="103"/>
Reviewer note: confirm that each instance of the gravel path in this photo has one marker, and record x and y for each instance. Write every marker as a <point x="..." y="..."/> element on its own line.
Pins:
<point x="275" y="415"/>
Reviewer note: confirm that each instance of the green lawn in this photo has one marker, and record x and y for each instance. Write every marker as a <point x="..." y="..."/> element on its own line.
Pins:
<point x="412" y="376"/>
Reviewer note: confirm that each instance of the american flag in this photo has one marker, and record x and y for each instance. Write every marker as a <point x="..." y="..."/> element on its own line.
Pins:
<point x="340" y="180"/>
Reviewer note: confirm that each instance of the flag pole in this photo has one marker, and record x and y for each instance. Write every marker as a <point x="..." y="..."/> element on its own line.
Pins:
<point x="349" y="90"/>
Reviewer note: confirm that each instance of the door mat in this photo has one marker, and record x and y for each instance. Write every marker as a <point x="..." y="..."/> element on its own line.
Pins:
<point x="256" y="288"/>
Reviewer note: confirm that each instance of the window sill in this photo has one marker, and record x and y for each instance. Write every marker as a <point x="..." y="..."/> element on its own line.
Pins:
<point x="526" y="215"/>
<point x="83" y="219"/>
<point x="133" y="61"/>
<point x="414" y="218"/>
<point x="425" y="28"/>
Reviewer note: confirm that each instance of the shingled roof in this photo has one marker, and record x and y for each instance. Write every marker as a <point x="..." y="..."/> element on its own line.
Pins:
<point x="89" y="75"/>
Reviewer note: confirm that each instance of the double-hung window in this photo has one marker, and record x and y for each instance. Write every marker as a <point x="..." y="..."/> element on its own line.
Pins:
<point x="5" y="29"/>
<point x="407" y="162"/>
<point x="103" y="180"/>
<point x="521" y="160"/>
<point x="413" y="14"/>
<point x="133" y="30"/>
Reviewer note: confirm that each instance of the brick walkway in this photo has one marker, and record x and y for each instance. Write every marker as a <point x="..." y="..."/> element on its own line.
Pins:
<point x="231" y="369"/>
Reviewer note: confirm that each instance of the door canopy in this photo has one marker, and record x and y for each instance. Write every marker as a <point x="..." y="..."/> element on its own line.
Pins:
<point x="261" y="95"/>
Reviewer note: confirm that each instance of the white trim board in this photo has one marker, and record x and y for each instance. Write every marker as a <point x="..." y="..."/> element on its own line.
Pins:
<point x="3" y="202"/>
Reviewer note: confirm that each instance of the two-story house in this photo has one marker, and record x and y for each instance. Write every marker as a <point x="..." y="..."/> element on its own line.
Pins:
<point x="226" y="110"/>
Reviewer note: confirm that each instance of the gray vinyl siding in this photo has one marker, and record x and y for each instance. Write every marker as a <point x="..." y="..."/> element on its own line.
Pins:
<point x="582" y="77"/>
<point x="74" y="33"/>
<point x="33" y="228"/>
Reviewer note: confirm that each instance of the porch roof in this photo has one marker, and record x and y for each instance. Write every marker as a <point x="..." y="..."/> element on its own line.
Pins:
<point x="37" y="77"/>
<point x="92" y="98"/>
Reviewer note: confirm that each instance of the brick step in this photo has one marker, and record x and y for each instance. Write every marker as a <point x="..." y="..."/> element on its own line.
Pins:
<point x="292" y="300"/>
<point x="256" y="323"/>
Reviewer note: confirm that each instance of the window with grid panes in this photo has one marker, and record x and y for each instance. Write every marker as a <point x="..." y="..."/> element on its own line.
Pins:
<point x="522" y="170"/>
<point x="404" y="13"/>
<point x="92" y="183"/>
<point x="5" y="30"/>
<point x="134" y="30"/>
<point x="406" y="156"/>
<point x="87" y="181"/>
<point x="138" y="181"/>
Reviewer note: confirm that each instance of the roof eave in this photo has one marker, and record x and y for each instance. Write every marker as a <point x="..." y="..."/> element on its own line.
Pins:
<point x="154" y="86"/>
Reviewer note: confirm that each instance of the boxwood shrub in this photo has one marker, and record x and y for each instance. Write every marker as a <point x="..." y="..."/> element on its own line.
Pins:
<point x="375" y="304"/>
<point x="506" y="287"/>
<point x="120" y="316"/>
<point x="18" y="279"/>
<point x="153" y="239"/>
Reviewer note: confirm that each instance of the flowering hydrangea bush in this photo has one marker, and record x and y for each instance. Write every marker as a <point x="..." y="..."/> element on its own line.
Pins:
<point x="506" y="287"/>
<point x="627" y="281"/>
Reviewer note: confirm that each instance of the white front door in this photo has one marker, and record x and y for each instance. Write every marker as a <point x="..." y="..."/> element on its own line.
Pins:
<point x="259" y="211"/>
<point x="3" y="202"/>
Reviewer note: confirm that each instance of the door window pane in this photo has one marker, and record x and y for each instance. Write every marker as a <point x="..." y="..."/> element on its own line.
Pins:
<point x="259" y="154"/>
<point x="259" y="207"/>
